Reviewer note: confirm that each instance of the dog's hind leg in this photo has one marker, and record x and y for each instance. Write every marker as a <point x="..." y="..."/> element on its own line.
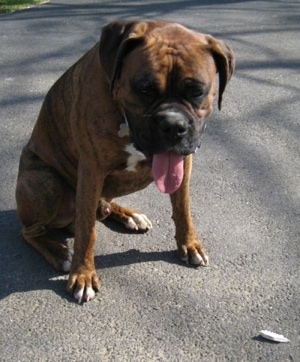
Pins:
<point x="44" y="201"/>
<point x="131" y="219"/>
<point x="103" y="210"/>
<point x="57" y="254"/>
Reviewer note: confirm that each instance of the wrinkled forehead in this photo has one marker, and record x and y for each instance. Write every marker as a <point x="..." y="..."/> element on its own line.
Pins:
<point x="183" y="54"/>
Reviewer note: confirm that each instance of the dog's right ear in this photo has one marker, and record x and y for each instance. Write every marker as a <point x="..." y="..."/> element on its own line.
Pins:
<point x="117" y="40"/>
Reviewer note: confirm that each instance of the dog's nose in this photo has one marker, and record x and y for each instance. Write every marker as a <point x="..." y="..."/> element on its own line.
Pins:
<point x="172" y="125"/>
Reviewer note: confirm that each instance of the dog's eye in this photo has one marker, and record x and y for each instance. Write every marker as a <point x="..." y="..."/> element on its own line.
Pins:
<point x="144" y="86"/>
<point x="147" y="89"/>
<point x="193" y="93"/>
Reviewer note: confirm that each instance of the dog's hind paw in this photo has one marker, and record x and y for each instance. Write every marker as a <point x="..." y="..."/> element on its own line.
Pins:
<point x="129" y="218"/>
<point x="66" y="264"/>
<point x="138" y="222"/>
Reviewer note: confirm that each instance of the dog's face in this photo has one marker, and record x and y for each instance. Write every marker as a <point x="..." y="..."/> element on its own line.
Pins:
<point x="166" y="96"/>
<point x="163" y="76"/>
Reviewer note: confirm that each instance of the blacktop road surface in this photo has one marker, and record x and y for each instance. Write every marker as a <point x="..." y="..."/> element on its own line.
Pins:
<point x="245" y="201"/>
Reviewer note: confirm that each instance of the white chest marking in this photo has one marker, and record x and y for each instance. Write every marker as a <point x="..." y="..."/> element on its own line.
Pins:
<point x="124" y="130"/>
<point x="134" y="157"/>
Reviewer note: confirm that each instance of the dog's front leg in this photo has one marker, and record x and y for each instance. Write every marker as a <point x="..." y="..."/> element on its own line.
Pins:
<point x="189" y="246"/>
<point x="83" y="281"/>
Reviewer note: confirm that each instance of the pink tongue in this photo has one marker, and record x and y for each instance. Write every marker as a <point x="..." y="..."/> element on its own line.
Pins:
<point x="167" y="170"/>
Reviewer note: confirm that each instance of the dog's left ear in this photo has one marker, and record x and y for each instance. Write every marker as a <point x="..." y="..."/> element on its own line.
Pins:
<point x="225" y="62"/>
<point x="117" y="40"/>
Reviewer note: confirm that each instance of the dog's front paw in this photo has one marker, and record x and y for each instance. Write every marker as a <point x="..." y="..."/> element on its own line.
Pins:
<point x="83" y="284"/>
<point x="193" y="253"/>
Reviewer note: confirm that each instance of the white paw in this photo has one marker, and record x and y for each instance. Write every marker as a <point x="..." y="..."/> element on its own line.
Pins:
<point x="84" y="294"/>
<point x="196" y="259"/>
<point x="66" y="264"/>
<point x="138" y="222"/>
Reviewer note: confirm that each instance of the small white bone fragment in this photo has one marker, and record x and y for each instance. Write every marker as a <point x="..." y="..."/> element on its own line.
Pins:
<point x="273" y="336"/>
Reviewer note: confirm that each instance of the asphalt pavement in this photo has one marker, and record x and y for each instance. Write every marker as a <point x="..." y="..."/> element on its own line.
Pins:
<point x="245" y="202"/>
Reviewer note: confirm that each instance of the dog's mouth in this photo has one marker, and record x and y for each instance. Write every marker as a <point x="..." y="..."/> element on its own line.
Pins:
<point x="168" y="171"/>
<point x="168" y="166"/>
<point x="166" y="154"/>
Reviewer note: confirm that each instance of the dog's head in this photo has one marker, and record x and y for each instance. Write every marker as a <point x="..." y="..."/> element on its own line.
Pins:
<point x="163" y="76"/>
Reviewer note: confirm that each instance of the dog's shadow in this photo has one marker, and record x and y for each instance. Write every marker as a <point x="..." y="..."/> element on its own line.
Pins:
<point x="132" y="256"/>
<point x="22" y="269"/>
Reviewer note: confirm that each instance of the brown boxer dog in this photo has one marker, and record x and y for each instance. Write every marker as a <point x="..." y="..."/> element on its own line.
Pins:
<point x="130" y="111"/>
